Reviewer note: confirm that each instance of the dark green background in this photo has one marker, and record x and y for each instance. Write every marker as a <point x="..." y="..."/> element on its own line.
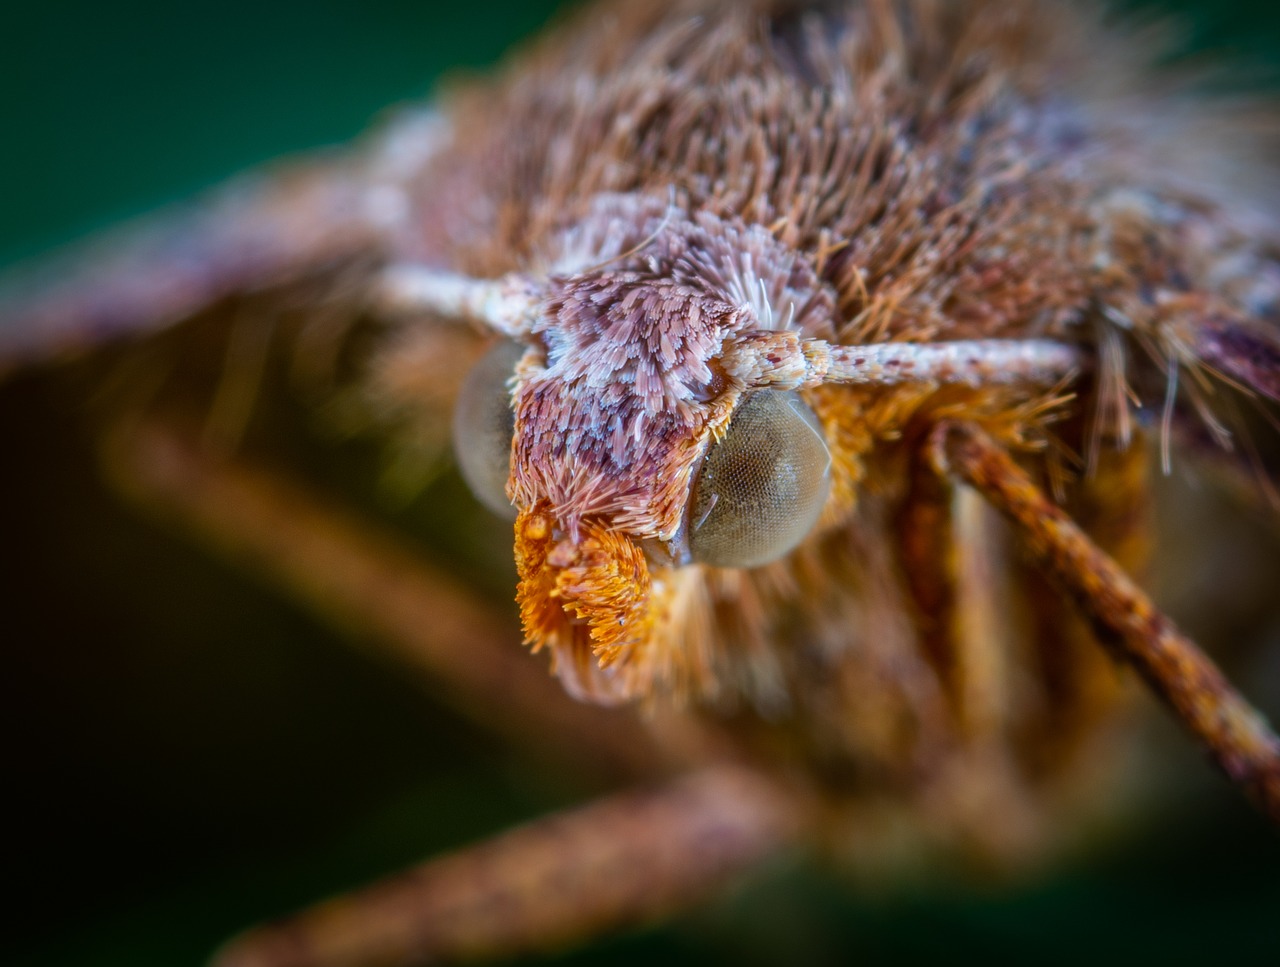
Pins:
<point x="171" y="783"/>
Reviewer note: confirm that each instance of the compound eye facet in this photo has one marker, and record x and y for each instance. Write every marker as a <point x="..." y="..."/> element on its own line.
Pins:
<point x="762" y="487"/>
<point x="484" y="422"/>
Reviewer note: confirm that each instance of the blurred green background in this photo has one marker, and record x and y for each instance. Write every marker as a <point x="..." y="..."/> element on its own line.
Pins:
<point x="181" y="763"/>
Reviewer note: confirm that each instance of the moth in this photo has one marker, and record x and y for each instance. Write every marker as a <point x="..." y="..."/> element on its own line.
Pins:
<point x="759" y="319"/>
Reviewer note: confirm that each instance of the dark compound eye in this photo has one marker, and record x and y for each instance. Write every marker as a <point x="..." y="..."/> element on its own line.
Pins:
<point x="762" y="487"/>
<point x="483" y="424"/>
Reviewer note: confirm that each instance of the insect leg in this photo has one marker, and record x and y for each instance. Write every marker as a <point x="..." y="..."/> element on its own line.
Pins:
<point x="380" y="592"/>
<point x="930" y="563"/>
<point x="610" y="864"/>
<point x="1235" y="734"/>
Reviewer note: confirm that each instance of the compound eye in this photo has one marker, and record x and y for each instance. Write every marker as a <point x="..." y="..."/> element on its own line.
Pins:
<point x="483" y="425"/>
<point x="762" y="487"/>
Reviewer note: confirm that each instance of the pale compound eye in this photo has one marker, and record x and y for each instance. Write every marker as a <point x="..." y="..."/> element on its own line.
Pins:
<point x="762" y="487"/>
<point x="483" y="424"/>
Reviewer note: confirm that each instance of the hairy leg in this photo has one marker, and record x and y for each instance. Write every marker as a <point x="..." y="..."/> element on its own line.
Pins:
<point x="617" y="862"/>
<point x="1237" y="737"/>
<point x="385" y="596"/>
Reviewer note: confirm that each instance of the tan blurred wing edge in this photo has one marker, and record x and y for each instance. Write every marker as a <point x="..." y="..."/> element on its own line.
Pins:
<point x="269" y="227"/>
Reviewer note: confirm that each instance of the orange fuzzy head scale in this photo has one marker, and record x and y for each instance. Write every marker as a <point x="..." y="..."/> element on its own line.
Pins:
<point x="587" y="599"/>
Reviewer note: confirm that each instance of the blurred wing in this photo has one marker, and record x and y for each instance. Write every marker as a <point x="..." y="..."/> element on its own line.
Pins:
<point x="300" y="219"/>
<point x="1248" y="353"/>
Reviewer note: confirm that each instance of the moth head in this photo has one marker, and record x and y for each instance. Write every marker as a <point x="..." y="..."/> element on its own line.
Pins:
<point x="627" y="439"/>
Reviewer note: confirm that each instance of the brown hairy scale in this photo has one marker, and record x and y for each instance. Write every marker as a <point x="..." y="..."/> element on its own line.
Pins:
<point x="958" y="231"/>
